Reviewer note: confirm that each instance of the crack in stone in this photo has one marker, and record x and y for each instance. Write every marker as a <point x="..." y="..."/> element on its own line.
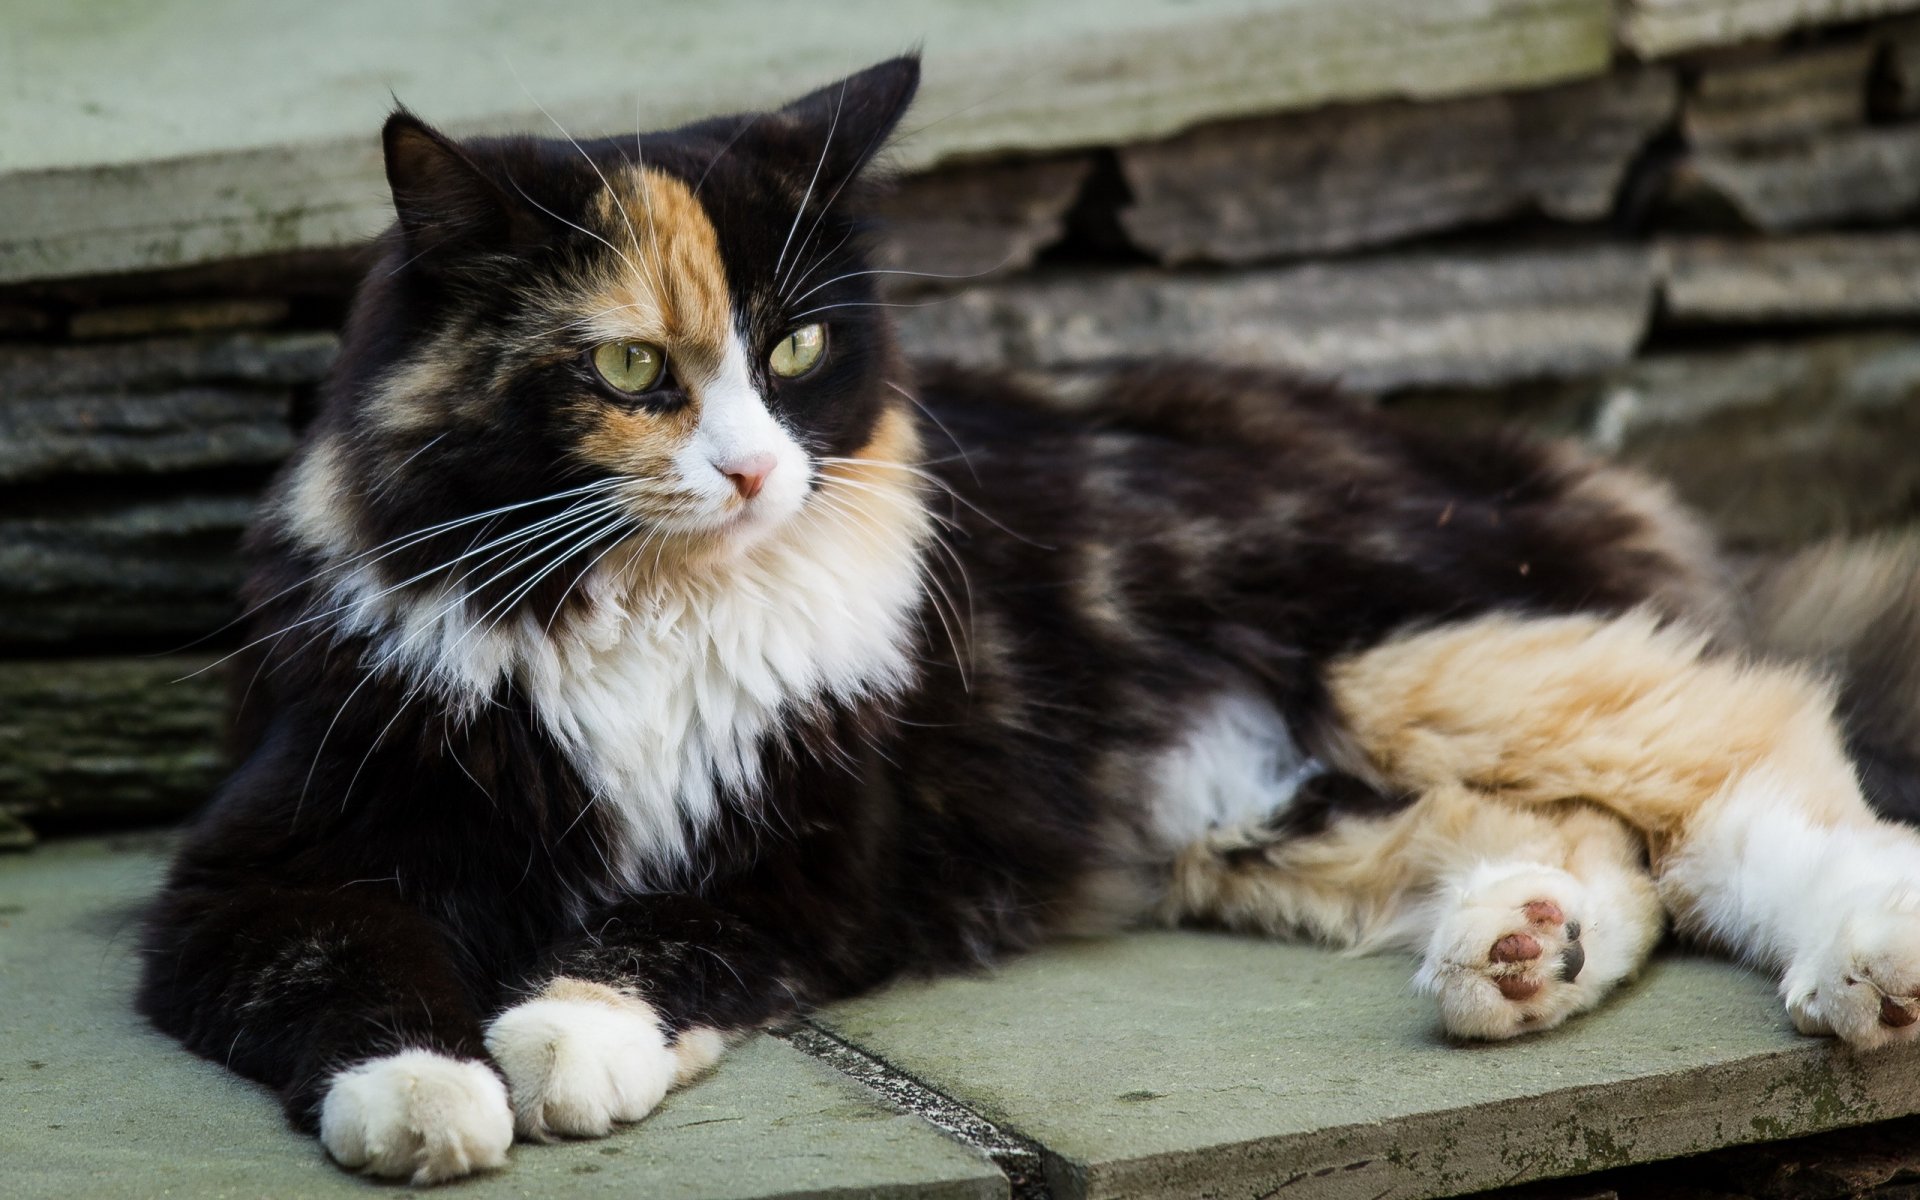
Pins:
<point x="1018" y="1158"/>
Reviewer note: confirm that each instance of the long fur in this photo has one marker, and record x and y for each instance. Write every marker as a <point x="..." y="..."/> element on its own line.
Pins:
<point x="581" y="730"/>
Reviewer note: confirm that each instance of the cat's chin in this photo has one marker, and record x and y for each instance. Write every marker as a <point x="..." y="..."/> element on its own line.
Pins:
<point x="736" y="533"/>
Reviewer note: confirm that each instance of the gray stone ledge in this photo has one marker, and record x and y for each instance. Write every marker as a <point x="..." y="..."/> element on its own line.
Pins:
<point x="110" y="740"/>
<point x="1654" y="28"/>
<point x="1373" y="324"/>
<point x="1776" y="445"/>
<point x="100" y="1106"/>
<point x="1868" y="174"/>
<point x="1182" y="1064"/>
<point x="154" y="406"/>
<point x="1354" y="176"/>
<point x="1811" y="277"/>
<point x="152" y="569"/>
<point x="1787" y="95"/>
<point x="122" y="147"/>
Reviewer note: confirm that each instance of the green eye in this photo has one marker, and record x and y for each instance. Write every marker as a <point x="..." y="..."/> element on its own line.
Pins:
<point x="631" y="367"/>
<point x="797" y="352"/>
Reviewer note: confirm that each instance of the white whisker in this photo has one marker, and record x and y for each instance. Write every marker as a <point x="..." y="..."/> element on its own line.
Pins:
<point x="801" y="211"/>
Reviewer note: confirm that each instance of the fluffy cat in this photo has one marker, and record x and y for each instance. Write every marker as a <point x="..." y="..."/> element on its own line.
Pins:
<point x="642" y="651"/>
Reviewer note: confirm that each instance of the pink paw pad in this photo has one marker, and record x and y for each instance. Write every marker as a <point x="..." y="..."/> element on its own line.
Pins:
<point x="1519" y="952"/>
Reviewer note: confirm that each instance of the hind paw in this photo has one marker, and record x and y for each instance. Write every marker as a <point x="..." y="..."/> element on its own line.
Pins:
<point x="1863" y="986"/>
<point x="1506" y="955"/>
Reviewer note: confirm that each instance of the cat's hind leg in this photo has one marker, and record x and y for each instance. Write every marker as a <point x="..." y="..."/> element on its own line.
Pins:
<point x="1734" y="771"/>
<point x="1833" y="909"/>
<point x="1522" y="918"/>
<point x="1518" y="944"/>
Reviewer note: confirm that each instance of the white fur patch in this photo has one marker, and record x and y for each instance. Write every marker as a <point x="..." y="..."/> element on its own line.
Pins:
<point x="578" y="1066"/>
<point x="1237" y="763"/>
<point x="417" y="1115"/>
<point x="662" y="694"/>
<point x="735" y="424"/>
<point x="1835" y="908"/>
<point x="664" y="697"/>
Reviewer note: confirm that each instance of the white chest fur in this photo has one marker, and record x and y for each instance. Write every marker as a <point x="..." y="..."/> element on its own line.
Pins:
<point x="664" y="697"/>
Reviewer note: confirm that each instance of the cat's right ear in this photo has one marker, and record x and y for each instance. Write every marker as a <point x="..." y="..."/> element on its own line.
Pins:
<point x="446" y="202"/>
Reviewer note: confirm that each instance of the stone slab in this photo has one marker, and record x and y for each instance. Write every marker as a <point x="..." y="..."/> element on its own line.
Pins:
<point x="974" y="221"/>
<point x="1181" y="1064"/>
<point x="1357" y="175"/>
<point x="121" y="739"/>
<point x="161" y="571"/>
<point x="165" y="404"/>
<point x="1652" y="28"/>
<point x="94" y="1104"/>
<point x="1851" y="176"/>
<point x="1896" y="92"/>
<point x="1790" y="280"/>
<point x="1787" y="95"/>
<point x="1375" y="324"/>
<point x="1776" y="443"/>
<point x="118" y="151"/>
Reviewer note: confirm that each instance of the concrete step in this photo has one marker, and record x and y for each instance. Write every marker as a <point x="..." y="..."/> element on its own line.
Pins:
<point x="1161" y="1064"/>
<point x="92" y="1103"/>
<point x="1181" y="1064"/>
<point x="119" y="151"/>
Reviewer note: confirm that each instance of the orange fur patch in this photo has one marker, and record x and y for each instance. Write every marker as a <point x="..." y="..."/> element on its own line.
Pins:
<point x="1624" y="713"/>
<point x="667" y="286"/>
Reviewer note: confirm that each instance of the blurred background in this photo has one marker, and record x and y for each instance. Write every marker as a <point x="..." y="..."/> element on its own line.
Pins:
<point x="1681" y="230"/>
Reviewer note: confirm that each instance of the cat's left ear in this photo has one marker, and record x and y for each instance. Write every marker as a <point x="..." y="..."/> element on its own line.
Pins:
<point x="839" y="128"/>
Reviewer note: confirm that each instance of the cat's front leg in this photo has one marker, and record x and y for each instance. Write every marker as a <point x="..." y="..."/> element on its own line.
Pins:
<point x="620" y="1018"/>
<point x="347" y="1002"/>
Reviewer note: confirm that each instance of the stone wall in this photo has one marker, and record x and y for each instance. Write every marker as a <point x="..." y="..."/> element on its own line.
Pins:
<point x="1706" y="261"/>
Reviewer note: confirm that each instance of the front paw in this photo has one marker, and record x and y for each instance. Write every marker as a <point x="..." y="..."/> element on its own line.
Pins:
<point x="580" y="1057"/>
<point x="417" y="1115"/>
<point x="1864" y="985"/>
<point x="1506" y="954"/>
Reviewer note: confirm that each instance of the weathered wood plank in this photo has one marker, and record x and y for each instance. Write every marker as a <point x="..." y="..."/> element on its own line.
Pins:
<point x="1419" y="319"/>
<point x="90" y="741"/>
<point x="1333" y="180"/>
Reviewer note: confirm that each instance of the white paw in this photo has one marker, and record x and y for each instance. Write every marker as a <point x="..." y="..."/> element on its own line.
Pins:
<point x="578" y="1062"/>
<point x="1506" y="953"/>
<point x="417" y="1115"/>
<point x="1863" y="986"/>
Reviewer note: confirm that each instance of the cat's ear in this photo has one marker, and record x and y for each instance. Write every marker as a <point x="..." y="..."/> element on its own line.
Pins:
<point x="840" y="127"/>
<point x="445" y="201"/>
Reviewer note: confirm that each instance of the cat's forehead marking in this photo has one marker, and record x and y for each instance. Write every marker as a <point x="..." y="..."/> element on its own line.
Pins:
<point x="669" y="283"/>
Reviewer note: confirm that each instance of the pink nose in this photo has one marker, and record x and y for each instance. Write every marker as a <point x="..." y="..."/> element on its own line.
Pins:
<point x="747" y="473"/>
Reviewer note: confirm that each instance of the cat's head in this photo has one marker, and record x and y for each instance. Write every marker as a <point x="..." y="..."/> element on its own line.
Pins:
<point x="668" y="340"/>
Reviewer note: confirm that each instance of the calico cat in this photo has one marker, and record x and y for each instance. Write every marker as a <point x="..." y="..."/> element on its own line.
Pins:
<point x="642" y="652"/>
